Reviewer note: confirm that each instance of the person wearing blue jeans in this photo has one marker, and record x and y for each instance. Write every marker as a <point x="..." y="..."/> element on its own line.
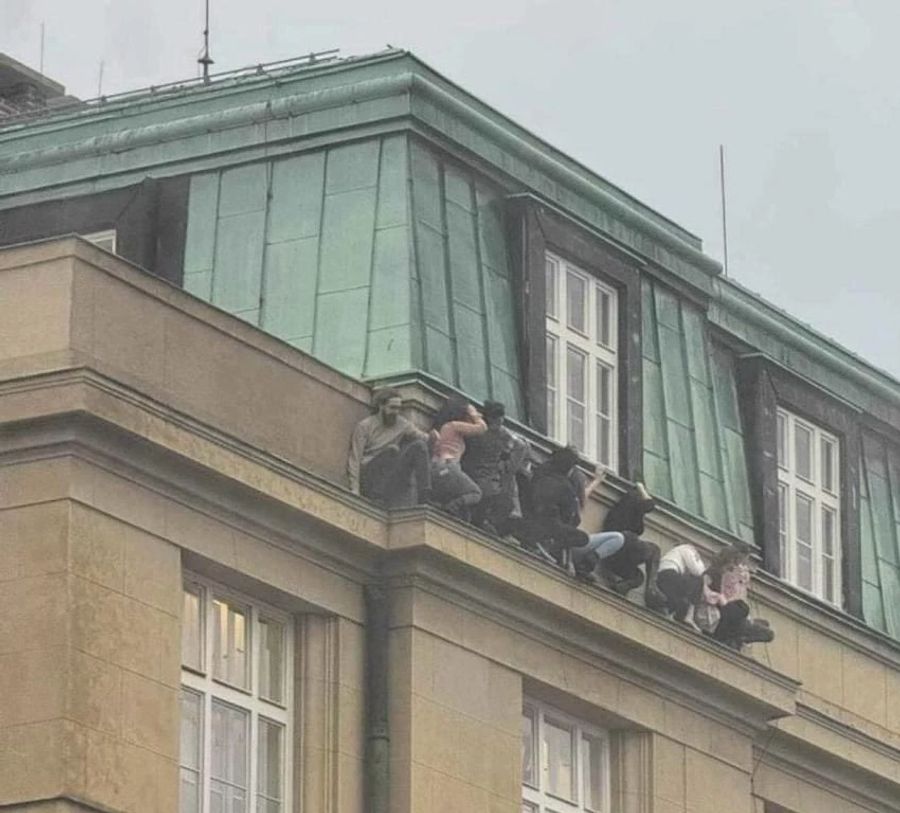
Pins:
<point x="600" y="546"/>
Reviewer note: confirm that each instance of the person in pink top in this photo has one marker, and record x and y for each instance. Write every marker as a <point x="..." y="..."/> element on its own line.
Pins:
<point x="729" y="574"/>
<point x="452" y="488"/>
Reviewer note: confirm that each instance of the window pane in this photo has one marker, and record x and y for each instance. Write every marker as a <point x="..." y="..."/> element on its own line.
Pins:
<point x="575" y="374"/>
<point x="804" y="566"/>
<point x="271" y="660"/>
<point x="269" y="766"/>
<point x="604" y="316"/>
<point x="783" y="525"/>
<point x="551" y="282"/>
<point x="828" y="577"/>
<point x="552" y="386"/>
<point x="575" y="429"/>
<point x="804" y="507"/>
<point x="191" y="726"/>
<point x="827" y="455"/>
<point x="189" y="799"/>
<point x="803" y="451"/>
<point x="592" y="756"/>
<point x="604" y="450"/>
<point x="576" y="369"/>
<point x="191" y="738"/>
<point x="229" y="758"/>
<point x="828" y="531"/>
<point x="782" y="441"/>
<point x="604" y="389"/>
<point x="230" y="643"/>
<point x="529" y="773"/>
<point x="528" y="807"/>
<point x="192" y="627"/>
<point x="576" y="302"/>
<point x="558" y="768"/>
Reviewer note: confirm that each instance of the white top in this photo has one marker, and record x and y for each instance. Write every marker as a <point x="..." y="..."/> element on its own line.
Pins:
<point x="683" y="559"/>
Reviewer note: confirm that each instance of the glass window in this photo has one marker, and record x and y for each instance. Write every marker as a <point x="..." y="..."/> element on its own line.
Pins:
<point x="191" y="753"/>
<point x="529" y="746"/>
<point x="782" y="440"/>
<point x="271" y="660"/>
<point x="582" y="362"/>
<point x="551" y="282"/>
<point x="577" y="302"/>
<point x="827" y="457"/>
<point x="230" y="756"/>
<point x="103" y="239"/>
<point x="269" y="769"/>
<point x="802" y="451"/>
<point x="235" y="718"/>
<point x="604" y="317"/>
<point x="809" y="506"/>
<point x="576" y="380"/>
<point x="552" y="385"/>
<point x="570" y="769"/>
<point x="230" y="643"/>
<point x="594" y="771"/>
<point x="559" y="770"/>
<point x="192" y="628"/>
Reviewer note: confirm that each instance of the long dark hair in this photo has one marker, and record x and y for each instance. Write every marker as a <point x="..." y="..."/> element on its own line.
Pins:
<point x="455" y="408"/>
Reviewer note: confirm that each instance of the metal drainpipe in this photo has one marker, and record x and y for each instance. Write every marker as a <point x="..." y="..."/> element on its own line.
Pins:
<point x="378" y="741"/>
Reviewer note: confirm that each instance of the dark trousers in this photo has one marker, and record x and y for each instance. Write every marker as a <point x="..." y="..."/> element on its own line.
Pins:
<point x="496" y="505"/>
<point x="553" y="535"/>
<point x="398" y="477"/>
<point x="732" y="620"/>
<point x="681" y="591"/>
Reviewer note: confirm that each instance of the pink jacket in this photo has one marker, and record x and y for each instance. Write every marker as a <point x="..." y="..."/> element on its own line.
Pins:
<point x="451" y="439"/>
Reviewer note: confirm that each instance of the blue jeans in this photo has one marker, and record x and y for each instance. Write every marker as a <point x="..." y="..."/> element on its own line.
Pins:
<point x="600" y="546"/>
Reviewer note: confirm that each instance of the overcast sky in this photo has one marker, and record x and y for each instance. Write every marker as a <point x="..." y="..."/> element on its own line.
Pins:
<point x="803" y="94"/>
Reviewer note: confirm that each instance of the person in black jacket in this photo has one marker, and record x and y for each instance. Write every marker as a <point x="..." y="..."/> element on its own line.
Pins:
<point x="622" y="570"/>
<point x="551" y="506"/>
<point x="493" y="460"/>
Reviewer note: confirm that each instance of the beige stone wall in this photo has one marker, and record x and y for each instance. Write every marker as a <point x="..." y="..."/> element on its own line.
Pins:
<point x="455" y="723"/>
<point x="89" y="659"/>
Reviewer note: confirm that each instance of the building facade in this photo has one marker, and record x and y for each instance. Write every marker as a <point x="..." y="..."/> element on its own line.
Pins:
<point x="200" y="616"/>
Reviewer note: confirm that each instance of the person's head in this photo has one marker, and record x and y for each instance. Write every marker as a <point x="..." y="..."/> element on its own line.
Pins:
<point x="387" y="404"/>
<point x="455" y="408"/>
<point x="732" y="556"/>
<point x="562" y="461"/>
<point x="493" y="412"/>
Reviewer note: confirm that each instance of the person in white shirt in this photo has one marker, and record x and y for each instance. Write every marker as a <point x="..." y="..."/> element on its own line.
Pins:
<point x="683" y="581"/>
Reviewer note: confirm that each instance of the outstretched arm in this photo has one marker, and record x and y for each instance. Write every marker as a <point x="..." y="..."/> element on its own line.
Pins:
<point x="591" y="487"/>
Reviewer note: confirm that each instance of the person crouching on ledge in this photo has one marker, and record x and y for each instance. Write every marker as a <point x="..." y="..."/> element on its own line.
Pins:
<point x="388" y="461"/>
<point x="453" y="489"/>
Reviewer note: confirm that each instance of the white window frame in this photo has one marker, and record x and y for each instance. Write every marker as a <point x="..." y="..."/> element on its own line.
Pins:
<point x="600" y="352"/>
<point x="794" y="486"/>
<point x="202" y="682"/>
<point x="537" y="798"/>
<point x="103" y="239"/>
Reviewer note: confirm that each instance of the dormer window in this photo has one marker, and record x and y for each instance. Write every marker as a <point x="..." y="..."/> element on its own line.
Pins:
<point x="582" y="361"/>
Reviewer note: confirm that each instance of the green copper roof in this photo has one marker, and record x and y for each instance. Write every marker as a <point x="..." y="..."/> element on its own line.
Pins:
<point x="318" y="249"/>
<point x="880" y="535"/>
<point x="693" y="437"/>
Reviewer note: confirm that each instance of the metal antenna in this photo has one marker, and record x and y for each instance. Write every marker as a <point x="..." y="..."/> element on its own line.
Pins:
<point x="100" y="81"/>
<point x="724" y="213"/>
<point x="205" y="59"/>
<point x="41" y="68"/>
